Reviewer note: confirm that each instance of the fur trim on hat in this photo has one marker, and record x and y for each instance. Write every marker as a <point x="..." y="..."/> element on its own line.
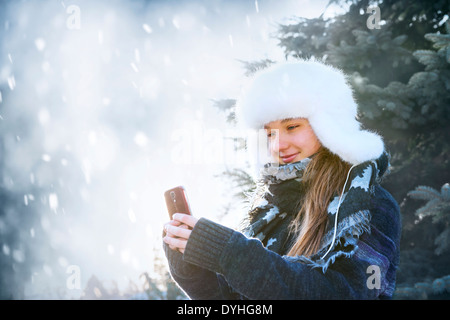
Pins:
<point x="318" y="92"/>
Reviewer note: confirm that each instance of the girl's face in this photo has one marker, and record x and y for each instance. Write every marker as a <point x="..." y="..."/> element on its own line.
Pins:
<point x="291" y="140"/>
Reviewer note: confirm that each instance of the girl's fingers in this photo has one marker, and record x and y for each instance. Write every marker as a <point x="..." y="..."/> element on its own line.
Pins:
<point x="180" y="232"/>
<point x="177" y="243"/>
<point x="176" y="224"/>
<point x="185" y="218"/>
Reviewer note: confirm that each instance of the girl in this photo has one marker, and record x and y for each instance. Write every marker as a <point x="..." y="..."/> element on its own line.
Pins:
<point x="320" y="226"/>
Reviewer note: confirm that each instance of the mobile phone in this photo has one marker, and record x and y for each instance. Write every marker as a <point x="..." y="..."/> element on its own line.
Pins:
<point x="176" y="201"/>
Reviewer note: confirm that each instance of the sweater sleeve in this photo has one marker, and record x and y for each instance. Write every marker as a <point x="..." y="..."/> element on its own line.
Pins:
<point x="196" y="282"/>
<point x="258" y="273"/>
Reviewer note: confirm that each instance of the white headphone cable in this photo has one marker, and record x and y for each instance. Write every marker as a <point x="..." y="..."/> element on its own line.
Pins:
<point x="337" y="212"/>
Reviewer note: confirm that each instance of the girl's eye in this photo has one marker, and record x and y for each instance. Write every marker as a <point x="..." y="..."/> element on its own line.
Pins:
<point x="292" y="127"/>
<point x="271" y="133"/>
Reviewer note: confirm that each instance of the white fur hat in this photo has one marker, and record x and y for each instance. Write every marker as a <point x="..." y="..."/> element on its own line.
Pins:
<point x="312" y="90"/>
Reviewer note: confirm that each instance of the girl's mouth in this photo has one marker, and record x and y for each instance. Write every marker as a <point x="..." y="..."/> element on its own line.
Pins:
<point x="289" y="158"/>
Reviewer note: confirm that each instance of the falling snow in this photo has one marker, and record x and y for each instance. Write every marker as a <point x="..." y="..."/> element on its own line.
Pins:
<point x="147" y="28"/>
<point x="92" y="98"/>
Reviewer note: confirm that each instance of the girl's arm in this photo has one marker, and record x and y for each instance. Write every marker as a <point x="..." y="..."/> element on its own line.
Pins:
<point x="364" y="270"/>
<point x="258" y="273"/>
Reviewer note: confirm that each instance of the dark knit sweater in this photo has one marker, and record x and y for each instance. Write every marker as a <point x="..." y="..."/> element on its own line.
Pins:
<point x="221" y="263"/>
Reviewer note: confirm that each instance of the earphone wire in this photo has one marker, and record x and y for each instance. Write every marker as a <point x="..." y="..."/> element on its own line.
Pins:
<point x="337" y="212"/>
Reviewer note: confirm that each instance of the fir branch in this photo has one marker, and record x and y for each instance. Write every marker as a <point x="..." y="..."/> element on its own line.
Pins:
<point x="438" y="208"/>
<point x="255" y="66"/>
<point x="224" y="104"/>
<point x="423" y="290"/>
<point x="424" y="193"/>
<point x="442" y="242"/>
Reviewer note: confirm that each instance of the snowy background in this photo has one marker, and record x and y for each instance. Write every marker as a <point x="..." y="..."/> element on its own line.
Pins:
<point x="103" y="106"/>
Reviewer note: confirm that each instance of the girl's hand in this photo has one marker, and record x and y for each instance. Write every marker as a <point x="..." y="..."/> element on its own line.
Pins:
<point x="178" y="231"/>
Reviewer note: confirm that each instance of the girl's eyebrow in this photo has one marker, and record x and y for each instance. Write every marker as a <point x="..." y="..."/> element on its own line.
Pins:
<point x="284" y="121"/>
<point x="291" y="119"/>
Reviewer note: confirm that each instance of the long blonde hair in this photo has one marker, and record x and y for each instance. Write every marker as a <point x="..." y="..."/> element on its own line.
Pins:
<point x="324" y="177"/>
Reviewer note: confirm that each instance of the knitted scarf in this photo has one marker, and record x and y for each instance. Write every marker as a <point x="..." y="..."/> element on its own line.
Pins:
<point x="279" y="196"/>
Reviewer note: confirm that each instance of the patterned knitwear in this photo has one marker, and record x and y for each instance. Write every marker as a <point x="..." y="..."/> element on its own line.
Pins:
<point x="358" y="258"/>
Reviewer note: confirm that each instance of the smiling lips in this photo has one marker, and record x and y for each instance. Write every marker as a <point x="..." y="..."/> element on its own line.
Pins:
<point x="289" y="158"/>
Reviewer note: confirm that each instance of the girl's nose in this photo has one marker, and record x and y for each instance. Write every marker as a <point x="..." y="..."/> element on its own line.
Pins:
<point x="279" y="143"/>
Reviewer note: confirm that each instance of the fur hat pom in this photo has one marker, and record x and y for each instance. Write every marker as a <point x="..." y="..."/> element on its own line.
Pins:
<point x="312" y="90"/>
